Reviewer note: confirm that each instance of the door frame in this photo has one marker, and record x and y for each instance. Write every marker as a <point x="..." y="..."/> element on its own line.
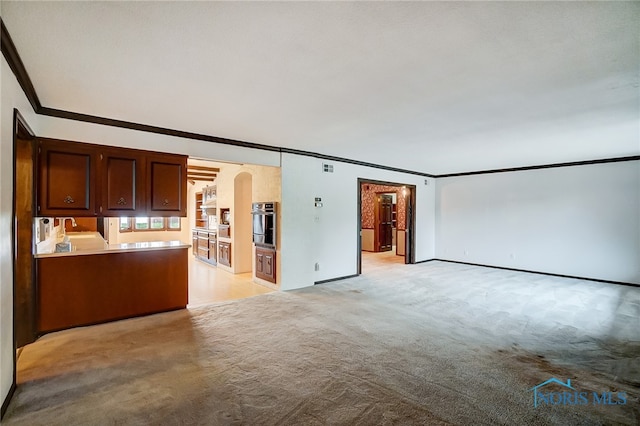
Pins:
<point x="410" y="252"/>
<point x="21" y="131"/>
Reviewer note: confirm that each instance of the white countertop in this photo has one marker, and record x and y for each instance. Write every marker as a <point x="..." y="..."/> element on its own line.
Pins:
<point x="118" y="248"/>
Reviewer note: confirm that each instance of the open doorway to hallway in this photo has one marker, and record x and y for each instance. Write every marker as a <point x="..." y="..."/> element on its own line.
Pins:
<point x="386" y="223"/>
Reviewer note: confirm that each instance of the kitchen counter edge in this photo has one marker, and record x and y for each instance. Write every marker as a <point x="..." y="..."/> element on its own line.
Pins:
<point x="120" y="248"/>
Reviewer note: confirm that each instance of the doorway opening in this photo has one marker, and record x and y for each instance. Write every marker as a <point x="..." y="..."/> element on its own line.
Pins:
<point x="386" y="222"/>
<point x="219" y="222"/>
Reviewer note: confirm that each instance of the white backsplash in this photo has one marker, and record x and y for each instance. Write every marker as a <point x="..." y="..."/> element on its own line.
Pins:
<point x="48" y="243"/>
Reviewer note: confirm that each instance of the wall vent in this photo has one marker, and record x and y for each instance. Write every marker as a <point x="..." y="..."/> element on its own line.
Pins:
<point x="327" y="168"/>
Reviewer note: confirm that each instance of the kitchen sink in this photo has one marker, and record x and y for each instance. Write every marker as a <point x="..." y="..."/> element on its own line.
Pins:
<point x="86" y="241"/>
<point x="83" y="235"/>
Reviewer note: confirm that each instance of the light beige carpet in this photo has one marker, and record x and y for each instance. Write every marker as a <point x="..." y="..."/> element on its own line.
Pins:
<point x="434" y="343"/>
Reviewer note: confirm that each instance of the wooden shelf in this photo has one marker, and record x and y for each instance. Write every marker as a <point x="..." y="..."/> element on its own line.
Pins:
<point x="201" y="221"/>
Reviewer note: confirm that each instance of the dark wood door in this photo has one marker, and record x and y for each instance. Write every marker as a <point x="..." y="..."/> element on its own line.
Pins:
<point x="122" y="182"/>
<point x="24" y="299"/>
<point x="67" y="179"/>
<point x="385" y="222"/>
<point x="167" y="185"/>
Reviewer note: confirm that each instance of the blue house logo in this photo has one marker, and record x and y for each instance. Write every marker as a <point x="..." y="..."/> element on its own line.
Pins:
<point x="570" y="396"/>
<point x="545" y="396"/>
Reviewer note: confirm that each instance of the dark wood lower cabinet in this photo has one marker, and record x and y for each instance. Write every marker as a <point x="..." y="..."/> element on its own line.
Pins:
<point x="204" y="245"/>
<point x="224" y="253"/>
<point x="90" y="289"/>
<point x="266" y="264"/>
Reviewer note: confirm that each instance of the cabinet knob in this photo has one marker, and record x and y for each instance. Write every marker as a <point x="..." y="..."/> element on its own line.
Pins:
<point x="121" y="201"/>
<point x="165" y="202"/>
<point x="69" y="200"/>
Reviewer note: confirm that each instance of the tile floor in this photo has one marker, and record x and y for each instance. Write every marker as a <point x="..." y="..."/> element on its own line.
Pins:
<point x="372" y="261"/>
<point x="209" y="284"/>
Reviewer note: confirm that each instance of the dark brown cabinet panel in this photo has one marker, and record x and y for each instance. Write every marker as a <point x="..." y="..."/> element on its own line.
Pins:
<point x="266" y="264"/>
<point x="167" y="185"/>
<point x="79" y="179"/>
<point x="224" y="253"/>
<point x="67" y="179"/>
<point x="204" y="243"/>
<point x="83" y="290"/>
<point x="224" y="231"/>
<point x="123" y="182"/>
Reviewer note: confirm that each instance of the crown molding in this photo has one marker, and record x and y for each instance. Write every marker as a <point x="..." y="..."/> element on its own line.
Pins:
<point x="543" y="166"/>
<point x="15" y="63"/>
<point x="17" y="66"/>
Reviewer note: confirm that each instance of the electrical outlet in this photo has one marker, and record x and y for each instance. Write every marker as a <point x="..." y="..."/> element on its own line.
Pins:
<point x="317" y="267"/>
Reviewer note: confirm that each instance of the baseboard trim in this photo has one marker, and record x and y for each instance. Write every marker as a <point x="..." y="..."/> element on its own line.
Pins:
<point x="335" y="279"/>
<point x="425" y="261"/>
<point x="541" y="273"/>
<point x="7" y="400"/>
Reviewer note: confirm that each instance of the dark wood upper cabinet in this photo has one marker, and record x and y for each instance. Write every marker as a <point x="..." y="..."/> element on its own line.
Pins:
<point x="66" y="178"/>
<point x="78" y="179"/>
<point x="167" y="185"/>
<point x="123" y="182"/>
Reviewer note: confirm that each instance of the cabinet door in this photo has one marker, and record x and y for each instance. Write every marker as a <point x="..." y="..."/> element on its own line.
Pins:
<point x="266" y="264"/>
<point x="67" y="179"/>
<point x="122" y="182"/>
<point x="259" y="263"/>
<point x="194" y="243"/>
<point x="167" y="185"/>
<point x="224" y="253"/>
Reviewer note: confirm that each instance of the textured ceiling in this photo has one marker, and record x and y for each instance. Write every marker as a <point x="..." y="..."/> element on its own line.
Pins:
<point x="437" y="87"/>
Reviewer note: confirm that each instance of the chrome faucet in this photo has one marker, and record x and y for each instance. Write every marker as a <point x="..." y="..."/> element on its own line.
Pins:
<point x="62" y="222"/>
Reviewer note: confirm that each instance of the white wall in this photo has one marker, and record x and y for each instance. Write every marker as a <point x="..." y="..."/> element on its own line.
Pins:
<point x="59" y="128"/>
<point x="329" y="235"/>
<point x="581" y="220"/>
<point x="11" y="97"/>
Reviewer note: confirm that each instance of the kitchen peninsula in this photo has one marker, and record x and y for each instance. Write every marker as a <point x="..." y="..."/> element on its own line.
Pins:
<point x="90" y="285"/>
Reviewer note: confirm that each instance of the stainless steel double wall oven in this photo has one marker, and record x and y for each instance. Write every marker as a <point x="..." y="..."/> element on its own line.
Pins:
<point x="264" y="224"/>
